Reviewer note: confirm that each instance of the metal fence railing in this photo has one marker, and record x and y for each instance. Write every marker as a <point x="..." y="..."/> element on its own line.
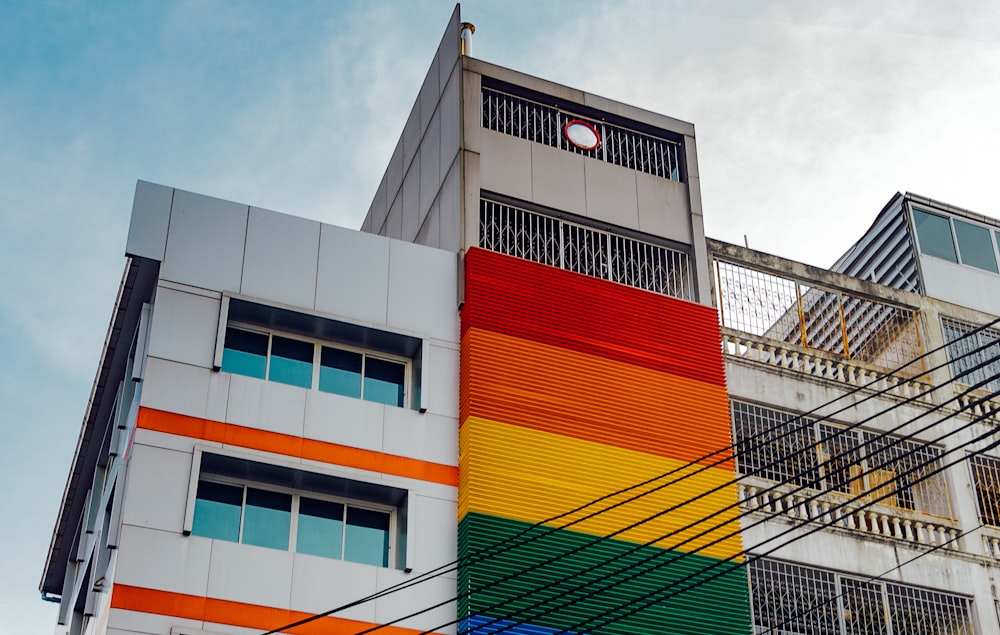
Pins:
<point x="542" y="123"/>
<point x="526" y="234"/>
<point x="805" y="313"/>
<point x="792" y="598"/>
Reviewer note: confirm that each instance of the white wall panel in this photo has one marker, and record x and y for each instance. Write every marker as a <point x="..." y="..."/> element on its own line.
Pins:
<point x="137" y="622"/>
<point x="280" y="258"/>
<point x="434" y="530"/>
<point x="411" y="200"/>
<point x="163" y="560"/>
<point x="414" y="599"/>
<point x="179" y="388"/>
<point x="319" y="584"/>
<point x="205" y="242"/>
<point x="962" y="285"/>
<point x="147" y="233"/>
<point x="156" y="494"/>
<point x="505" y="164"/>
<point x="557" y="179"/>
<point x="430" y="166"/>
<point x="422" y="290"/>
<point x="185" y="326"/>
<point x="245" y="573"/>
<point x="268" y="405"/>
<point x="353" y="275"/>
<point x="421" y="436"/>
<point x="611" y="193"/>
<point x="663" y="207"/>
<point x="344" y="420"/>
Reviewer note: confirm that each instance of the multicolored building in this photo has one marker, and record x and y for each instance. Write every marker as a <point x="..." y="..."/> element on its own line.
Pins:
<point x="503" y="405"/>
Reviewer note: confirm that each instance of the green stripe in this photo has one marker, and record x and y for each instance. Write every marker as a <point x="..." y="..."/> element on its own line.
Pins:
<point x="719" y="607"/>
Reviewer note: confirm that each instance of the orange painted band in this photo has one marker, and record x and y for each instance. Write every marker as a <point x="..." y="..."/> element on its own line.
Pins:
<point x="288" y="445"/>
<point x="194" y="607"/>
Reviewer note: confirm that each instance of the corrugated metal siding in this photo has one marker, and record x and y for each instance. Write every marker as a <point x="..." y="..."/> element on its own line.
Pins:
<point x="556" y="390"/>
<point x="525" y="475"/>
<point x="545" y="304"/>
<point x="571" y="388"/>
<point x="719" y="607"/>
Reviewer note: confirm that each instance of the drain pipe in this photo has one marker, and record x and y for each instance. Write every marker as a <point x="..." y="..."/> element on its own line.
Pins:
<point x="468" y="29"/>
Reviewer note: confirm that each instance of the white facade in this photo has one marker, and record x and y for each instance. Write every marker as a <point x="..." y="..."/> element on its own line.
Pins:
<point x="219" y="262"/>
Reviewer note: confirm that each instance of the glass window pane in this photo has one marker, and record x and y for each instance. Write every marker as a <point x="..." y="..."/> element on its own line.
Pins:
<point x="340" y="372"/>
<point x="367" y="538"/>
<point x="934" y="233"/>
<point x="384" y="381"/>
<point x="245" y="353"/>
<point x="975" y="245"/>
<point x="291" y="362"/>
<point x="267" y="519"/>
<point x="217" y="511"/>
<point x="321" y="528"/>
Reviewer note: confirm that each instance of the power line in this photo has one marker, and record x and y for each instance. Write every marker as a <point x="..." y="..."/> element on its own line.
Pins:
<point x="500" y="547"/>
<point x="596" y="540"/>
<point x="655" y="596"/>
<point x="675" y="546"/>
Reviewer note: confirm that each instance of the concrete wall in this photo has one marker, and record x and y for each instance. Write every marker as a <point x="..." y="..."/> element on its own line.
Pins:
<point x="422" y="184"/>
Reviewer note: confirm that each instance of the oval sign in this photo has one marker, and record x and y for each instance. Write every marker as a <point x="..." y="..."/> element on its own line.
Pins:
<point x="582" y="134"/>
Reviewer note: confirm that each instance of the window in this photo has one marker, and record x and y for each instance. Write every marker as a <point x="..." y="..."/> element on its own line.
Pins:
<point x="334" y="518"/>
<point x="986" y="478"/>
<point x="964" y="356"/>
<point x="794" y="599"/>
<point x="779" y="446"/>
<point x="940" y="235"/>
<point x="316" y="353"/>
<point x="292" y="361"/>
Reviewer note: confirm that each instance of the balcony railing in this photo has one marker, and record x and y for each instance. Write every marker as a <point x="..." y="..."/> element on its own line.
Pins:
<point x="542" y="123"/>
<point x="551" y="241"/>
<point x="806" y="313"/>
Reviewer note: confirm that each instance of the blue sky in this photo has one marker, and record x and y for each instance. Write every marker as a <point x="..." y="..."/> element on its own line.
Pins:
<point x="809" y="116"/>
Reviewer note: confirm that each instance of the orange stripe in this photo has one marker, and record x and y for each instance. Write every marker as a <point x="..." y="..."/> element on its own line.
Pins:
<point x="194" y="607"/>
<point x="288" y="445"/>
<point x="552" y="389"/>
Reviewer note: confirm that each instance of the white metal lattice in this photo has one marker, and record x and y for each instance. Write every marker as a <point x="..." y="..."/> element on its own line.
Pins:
<point x="542" y="123"/>
<point x="795" y="599"/>
<point x="525" y="234"/>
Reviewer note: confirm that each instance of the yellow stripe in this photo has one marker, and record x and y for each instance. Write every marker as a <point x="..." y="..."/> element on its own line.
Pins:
<point x="528" y="475"/>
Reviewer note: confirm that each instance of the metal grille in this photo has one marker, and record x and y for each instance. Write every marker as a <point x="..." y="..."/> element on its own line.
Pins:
<point x="959" y="345"/>
<point x="542" y="123"/>
<point x="518" y="232"/>
<point x="791" y="310"/>
<point x="794" y="599"/>
<point x="824" y="456"/>
<point x="986" y="477"/>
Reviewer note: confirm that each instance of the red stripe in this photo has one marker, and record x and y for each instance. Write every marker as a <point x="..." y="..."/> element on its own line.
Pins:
<point x="544" y="304"/>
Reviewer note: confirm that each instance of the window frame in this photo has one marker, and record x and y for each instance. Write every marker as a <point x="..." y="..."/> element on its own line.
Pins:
<point x="318" y="345"/>
<point x="398" y="554"/>
<point x="993" y="232"/>
<point x="293" y="525"/>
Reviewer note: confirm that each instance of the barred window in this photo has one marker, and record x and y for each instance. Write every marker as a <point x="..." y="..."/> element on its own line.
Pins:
<point x="795" y="599"/>
<point x="780" y="446"/>
<point x="534" y="121"/>
<point x="986" y="478"/>
<point x="959" y="346"/>
<point x="525" y="234"/>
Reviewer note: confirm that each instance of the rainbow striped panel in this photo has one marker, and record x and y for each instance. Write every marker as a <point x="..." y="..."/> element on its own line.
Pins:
<point x="575" y="390"/>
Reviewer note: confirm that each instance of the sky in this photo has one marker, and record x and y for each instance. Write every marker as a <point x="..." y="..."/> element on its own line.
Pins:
<point x="809" y="116"/>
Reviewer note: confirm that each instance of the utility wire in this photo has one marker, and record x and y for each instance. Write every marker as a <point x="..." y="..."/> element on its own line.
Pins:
<point x="506" y="545"/>
<point x="703" y="533"/>
<point x="598" y="539"/>
<point x="656" y="596"/>
<point x="873" y="578"/>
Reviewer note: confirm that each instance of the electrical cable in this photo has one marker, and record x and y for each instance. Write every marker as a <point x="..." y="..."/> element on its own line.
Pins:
<point x="655" y="596"/>
<point x="880" y="576"/>
<point x="674" y="532"/>
<point x="506" y="545"/>
<point x="597" y="539"/>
